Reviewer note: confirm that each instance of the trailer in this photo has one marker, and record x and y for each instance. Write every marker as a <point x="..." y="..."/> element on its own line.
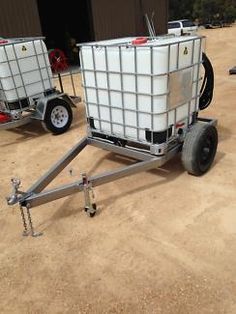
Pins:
<point x="143" y="97"/>
<point x="27" y="87"/>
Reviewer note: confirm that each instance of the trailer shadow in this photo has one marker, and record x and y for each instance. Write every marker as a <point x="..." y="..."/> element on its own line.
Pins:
<point x="170" y="171"/>
<point x="26" y="133"/>
<point x="223" y="133"/>
<point x="35" y="130"/>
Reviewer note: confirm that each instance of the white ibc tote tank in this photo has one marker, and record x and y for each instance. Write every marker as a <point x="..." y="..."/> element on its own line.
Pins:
<point x="24" y="69"/>
<point x="132" y="86"/>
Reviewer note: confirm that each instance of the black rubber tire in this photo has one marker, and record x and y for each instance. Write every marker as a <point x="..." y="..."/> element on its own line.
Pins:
<point x="47" y="123"/>
<point x="199" y="148"/>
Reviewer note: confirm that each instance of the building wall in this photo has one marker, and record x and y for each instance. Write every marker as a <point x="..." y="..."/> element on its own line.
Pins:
<point x="113" y="18"/>
<point x="161" y="11"/>
<point x="119" y="18"/>
<point x="108" y="18"/>
<point x="19" y="18"/>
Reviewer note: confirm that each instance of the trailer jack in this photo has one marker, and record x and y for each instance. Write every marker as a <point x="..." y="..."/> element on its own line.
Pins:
<point x="89" y="199"/>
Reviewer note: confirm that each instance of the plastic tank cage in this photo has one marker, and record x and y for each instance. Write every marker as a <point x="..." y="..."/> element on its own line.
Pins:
<point x="25" y="72"/>
<point x="141" y="91"/>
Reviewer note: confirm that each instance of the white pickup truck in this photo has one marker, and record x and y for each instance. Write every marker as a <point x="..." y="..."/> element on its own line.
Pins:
<point x="182" y="27"/>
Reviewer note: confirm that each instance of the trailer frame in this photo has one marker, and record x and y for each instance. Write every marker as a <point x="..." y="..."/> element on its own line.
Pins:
<point x="36" y="195"/>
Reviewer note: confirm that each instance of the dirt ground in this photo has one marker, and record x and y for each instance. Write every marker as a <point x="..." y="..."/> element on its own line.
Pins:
<point x="162" y="241"/>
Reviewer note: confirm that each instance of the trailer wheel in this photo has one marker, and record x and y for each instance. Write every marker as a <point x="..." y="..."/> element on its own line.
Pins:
<point x="199" y="148"/>
<point x="58" y="116"/>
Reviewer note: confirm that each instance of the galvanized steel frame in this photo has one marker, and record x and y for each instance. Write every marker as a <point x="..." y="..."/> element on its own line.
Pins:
<point x="35" y="195"/>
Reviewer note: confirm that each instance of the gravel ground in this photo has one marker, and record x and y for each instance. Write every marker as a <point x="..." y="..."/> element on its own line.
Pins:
<point x="162" y="241"/>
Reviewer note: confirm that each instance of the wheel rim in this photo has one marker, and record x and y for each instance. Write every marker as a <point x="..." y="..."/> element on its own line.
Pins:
<point x="59" y="116"/>
<point x="207" y="152"/>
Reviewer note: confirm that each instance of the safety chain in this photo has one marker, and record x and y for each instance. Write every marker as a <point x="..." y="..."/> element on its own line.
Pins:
<point x="27" y="231"/>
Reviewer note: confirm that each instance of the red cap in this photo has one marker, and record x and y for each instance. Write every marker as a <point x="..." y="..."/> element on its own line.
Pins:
<point x="139" y="41"/>
<point x="4" y="117"/>
<point x="3" y="41"/>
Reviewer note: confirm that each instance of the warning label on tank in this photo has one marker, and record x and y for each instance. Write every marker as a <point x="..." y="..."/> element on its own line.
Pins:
<point x="185" y="51"/>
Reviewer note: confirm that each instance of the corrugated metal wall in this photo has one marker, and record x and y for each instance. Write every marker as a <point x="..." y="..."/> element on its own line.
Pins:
<point x="119" y="18"/>
<point x="19" y="18"/>
<point x="113" y="18"/>
<point x="161" y="10"/>
<point x="109" y="18"/>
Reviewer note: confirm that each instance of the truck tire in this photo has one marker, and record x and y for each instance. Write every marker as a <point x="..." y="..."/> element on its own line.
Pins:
<point x="58" y="116"/>
<point x="199" y="148"/>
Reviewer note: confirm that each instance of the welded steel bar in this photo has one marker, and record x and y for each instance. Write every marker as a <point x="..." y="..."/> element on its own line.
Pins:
<point x="47" y="64"/>
<point x="124" y="44"/>
<point x="125" y="151"/>
<point x="39" y="67"/>
<point x="60" y="82"/>
<point x="108" y="90"/>
<point x="83" y="76"/>
<point x="140" y="74"/>
<point x="20" y="74"/>
<point x="22" y="40"/>
<point x="96" y="88"/>
<point x="66" y="190"/>
<point x="190" y="102"/>
<point x="122" y="91"/>
<point x="72" y="83"/>
<point x="198" y="74"/>
<point x="33" y="200"/>
<point x="168" y="91"/>
<point x="152" y="91"/>
<point x="136" y="92"/>
<point x="58" y="167"/>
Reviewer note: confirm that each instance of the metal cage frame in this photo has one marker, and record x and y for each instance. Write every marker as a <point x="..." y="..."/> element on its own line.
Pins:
<point x="170" y="136"/>
<point x="33" y="107"/>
